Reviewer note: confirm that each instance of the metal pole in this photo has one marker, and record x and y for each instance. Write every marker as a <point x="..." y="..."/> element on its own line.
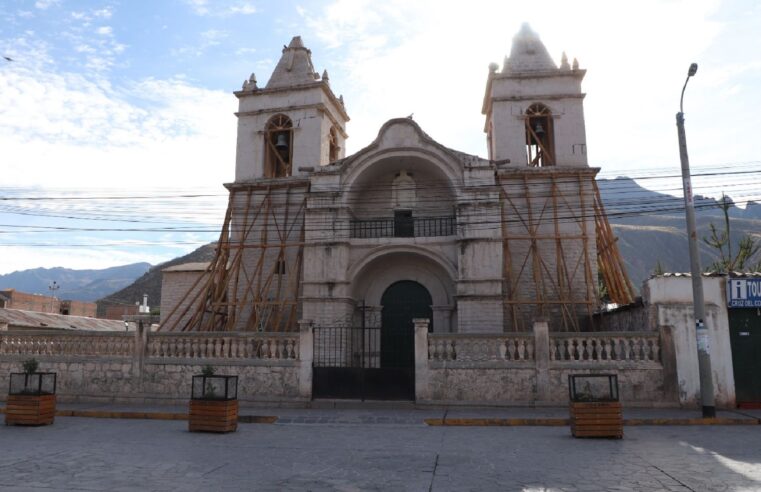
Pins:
<point x="701" y="330"/>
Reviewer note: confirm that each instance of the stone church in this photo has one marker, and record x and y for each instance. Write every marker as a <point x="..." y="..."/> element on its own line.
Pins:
<point x="406" y="228"/>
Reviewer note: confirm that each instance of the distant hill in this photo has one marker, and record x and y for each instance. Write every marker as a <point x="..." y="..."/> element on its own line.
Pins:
<point x="650" y="227"/>
<point x="79" y="285"/>
<point x="150" y="282"/>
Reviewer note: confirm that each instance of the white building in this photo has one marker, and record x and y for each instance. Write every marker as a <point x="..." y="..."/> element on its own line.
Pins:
<point x="406" y="227"/>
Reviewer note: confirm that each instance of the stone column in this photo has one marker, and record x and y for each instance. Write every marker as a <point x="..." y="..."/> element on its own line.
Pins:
<point x="542" y="360"/>
<point x="306" y="356"/>
<point x="422" y="384"/>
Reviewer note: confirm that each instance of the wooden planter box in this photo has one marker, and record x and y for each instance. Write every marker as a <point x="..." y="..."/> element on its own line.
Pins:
<point x="597" y="419"/>
<point x="594" y="406"/>
<point x="31" y="399"/>
<point x="213" y="416"/>
<point x="213" y="404"/>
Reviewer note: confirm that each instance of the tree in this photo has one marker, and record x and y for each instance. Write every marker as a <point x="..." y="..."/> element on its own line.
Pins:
<point x="722" y="242"/>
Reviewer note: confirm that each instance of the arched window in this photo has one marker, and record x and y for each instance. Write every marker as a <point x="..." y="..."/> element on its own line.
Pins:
<point x="278" y="147"/>
<point x="540" y="140"/>
<point x="333" y="148"/>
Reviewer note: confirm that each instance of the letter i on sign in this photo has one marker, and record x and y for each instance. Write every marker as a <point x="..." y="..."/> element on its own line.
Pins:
<point x="739" y="289"/>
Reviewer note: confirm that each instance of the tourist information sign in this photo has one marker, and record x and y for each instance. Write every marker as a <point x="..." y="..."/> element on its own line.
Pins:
<point x="744" y="292"/>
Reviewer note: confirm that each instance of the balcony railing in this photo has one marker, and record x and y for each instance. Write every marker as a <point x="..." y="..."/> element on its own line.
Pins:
<point x="404" y="227"/>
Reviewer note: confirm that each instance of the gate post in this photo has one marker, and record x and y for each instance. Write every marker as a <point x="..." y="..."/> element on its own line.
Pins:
<point x="306" y="357"/>
<point x="542" y="360"/>
<point x="422" y="383"/>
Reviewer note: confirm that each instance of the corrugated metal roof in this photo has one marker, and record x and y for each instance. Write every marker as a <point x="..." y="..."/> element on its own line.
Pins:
<point x="711" y="274"/>
<point x="188" y="267"/>
<point x="16" y="318"/>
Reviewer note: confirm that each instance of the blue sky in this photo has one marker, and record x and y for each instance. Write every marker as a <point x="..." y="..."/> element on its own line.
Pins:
<point x="132" y="100"/>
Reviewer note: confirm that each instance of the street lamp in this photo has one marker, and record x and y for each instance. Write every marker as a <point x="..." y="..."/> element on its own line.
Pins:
<point x="53" y="287"/>
<point x="701" y="330"/>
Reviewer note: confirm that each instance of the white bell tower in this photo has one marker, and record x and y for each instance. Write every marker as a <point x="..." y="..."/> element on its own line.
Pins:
<point x="294" y="122"/>
<point x="534" y="110"/>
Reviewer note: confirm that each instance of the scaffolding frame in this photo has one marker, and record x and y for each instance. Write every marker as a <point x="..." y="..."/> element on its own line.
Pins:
<point x="229" y="295"/>
<point x="542" y="273"/>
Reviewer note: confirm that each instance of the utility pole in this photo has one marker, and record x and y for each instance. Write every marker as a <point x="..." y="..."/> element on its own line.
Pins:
<point x="701" y="330"/>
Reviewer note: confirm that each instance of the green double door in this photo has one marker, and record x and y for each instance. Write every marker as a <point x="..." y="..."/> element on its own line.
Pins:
<point x="745" y="337"/>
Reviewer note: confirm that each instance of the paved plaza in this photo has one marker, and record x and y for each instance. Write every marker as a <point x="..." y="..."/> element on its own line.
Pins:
<point x="357" y="450"/>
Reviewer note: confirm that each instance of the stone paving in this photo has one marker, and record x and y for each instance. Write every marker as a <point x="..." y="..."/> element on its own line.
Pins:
<point x="357" y="450"/>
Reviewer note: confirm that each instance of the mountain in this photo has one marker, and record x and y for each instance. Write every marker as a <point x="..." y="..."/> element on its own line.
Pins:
<point x="78" y="285"/>
<point x="150" y="282"/>
<point x="651" y="229"/>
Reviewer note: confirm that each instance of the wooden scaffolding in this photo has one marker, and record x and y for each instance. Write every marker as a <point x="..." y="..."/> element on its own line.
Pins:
<point x="553" y="221"/>
<point x="253" y="282"/>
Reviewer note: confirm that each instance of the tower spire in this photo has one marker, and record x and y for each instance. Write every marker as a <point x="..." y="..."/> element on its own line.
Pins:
<point x="295" y="66"/>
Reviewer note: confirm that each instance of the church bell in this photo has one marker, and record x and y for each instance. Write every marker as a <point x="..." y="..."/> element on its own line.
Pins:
<point x="282" y="142"/>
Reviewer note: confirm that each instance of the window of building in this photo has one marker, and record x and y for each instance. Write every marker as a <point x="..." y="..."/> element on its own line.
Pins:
<point x="280" y="267"/>
<point x="540" y="141"/>
<point x="278" y="147"/>
<point x="333" y="148"/>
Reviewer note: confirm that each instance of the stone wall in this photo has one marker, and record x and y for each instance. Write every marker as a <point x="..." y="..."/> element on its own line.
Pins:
<point x="147" y="367"/>
<point x="669" y="302"/>
<point x="533" y="368"/>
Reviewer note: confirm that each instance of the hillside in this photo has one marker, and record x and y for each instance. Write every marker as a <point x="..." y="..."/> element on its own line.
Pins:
<point x="650" y="227"/>
<point x="150" y="282"/>
<point x="79" y="285"/>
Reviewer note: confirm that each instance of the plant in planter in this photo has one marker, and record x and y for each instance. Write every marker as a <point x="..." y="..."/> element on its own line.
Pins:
<point x="594" y="406"/>
<point x="213" y="402"/>
<point x="31" y="396"/>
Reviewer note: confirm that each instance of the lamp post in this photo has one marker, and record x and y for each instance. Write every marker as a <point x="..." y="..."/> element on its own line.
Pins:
<point x="53" y="287"/>
<point x="701" y="330"/>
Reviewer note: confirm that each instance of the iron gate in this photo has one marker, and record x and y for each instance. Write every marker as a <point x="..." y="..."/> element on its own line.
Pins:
<point x="363" y="363"/>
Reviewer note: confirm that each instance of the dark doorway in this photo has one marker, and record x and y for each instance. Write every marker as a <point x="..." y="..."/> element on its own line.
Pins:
<point x="745" y="339"/>
<point x="404" y="226"/>
<point x="376" y="363"/>
<point x="402" y="302"/>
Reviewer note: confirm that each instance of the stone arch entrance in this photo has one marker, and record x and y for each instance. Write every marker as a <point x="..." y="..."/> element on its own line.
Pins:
<point x="402" y="302"/>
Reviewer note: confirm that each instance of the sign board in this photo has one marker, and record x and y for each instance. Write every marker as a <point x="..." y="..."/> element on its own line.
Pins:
<point x="744" y="292"/>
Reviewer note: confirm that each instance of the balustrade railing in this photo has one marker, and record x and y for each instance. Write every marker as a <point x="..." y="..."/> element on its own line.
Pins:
<point x="602" y="347"/>
<point x="412" y="227"/>
<point x="84" y="344"/>
<point x="268" y="346"/>
<point x="518" y="347"/>
<point x="218" y="346"/>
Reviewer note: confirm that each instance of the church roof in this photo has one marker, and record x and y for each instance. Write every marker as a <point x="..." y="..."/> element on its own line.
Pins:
<point x="294" y="68"/>
<point x="528" y="54"/>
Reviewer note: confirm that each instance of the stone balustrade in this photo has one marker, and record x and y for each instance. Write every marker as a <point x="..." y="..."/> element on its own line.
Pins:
<point x="605" y="347"/>
<point x="518" y="347"/>
<point x="275" y="346"/>
<point x="245" y="346"/>
<point x="40" y="343"/>
<point x="599" y="347"/>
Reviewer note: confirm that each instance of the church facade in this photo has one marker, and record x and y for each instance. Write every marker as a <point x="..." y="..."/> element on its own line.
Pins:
<point x="407" y="228"/>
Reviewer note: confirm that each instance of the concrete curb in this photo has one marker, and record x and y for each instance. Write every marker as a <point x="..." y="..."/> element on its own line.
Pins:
<point x="555" y="422"/>
<point x="106" y="414"/>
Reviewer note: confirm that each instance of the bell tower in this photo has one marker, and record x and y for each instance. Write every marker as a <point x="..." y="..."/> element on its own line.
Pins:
<point x="294" y="122"/>
<point x="534" y="109"/>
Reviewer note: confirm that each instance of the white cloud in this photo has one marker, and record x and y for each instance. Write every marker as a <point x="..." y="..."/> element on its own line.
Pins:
<point x="104" y="30"/>
<point x="389" y="62"/>
<point x="59" y="128"/>
<point x="203" y="8"/>
<point x="45" y="4"/>
<point x="105" y="13"/>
